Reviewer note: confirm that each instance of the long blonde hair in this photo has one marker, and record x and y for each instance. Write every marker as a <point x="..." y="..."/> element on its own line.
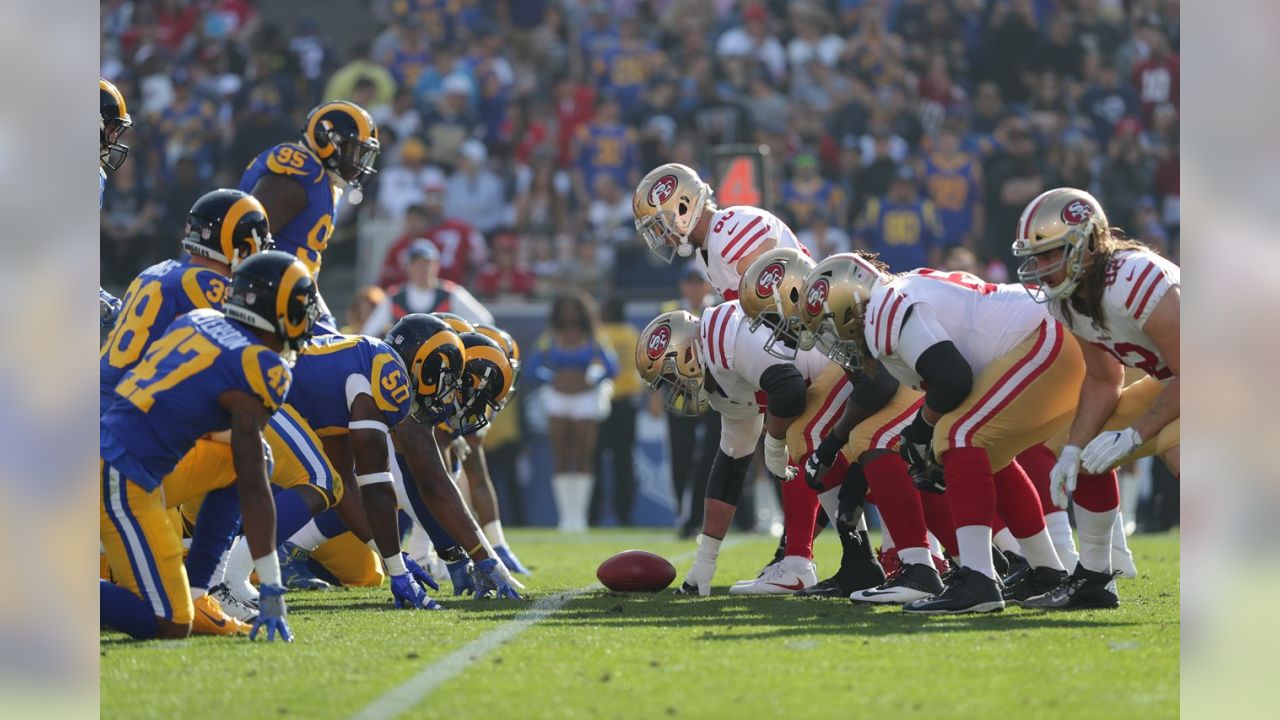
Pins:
<point x="1087" y="298"/>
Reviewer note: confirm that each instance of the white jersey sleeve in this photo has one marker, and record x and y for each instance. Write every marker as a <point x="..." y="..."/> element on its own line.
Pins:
<point x="735" y="233"/>
<point x="465" y="305"/>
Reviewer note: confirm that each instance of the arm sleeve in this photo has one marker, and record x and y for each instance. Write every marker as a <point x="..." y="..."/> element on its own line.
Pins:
<point x="873" y="393"/>
<point x="786" y="390"/>
<point x="947" y="375"/>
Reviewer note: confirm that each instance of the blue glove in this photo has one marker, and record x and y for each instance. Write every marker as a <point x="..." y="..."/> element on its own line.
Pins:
<point x="418" y="572"/>
<point x="511" y="561"/>
<point x="408" y="593"/>
<point x="460" y="576"/>
<point x="492" y="578"/>
<point x="271" y="614"/>
<point x="108" y="308"/>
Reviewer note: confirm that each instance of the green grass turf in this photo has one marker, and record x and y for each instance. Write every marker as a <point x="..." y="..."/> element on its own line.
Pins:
<point x="609" y="655"/>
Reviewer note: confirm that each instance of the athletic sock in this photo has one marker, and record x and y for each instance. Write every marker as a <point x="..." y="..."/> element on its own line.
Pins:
<point x="493" y="531"/>
<point x="971" y="493"/>
<point x="239" y="564"/>
<point x="1005" y="541"/>
<point x="799" y="517"/>
<point x="1058" y="523"/>
<point x="1119" y="539"/>
<point x="916" y="555"/>
<point x="1038" y="462"/>
<point x="214" y="531"/>
<point x="291" y="514"/>
<point x="309" y="537"/>
<point x="1039" y="552"/>
<point x="121" y="610"/>
<point x="1097" y="499"/>
<point x="561" y="488"/>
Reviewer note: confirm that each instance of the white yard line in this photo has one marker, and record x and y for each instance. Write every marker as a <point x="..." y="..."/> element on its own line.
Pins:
<point x="412" y="691"/>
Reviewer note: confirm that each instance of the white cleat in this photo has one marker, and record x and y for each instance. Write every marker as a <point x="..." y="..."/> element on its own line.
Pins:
<point x="231" y="605"/>
<point x="758" y="576"/>
<point x="242" y="592"/>
<point x="786" y="577"/>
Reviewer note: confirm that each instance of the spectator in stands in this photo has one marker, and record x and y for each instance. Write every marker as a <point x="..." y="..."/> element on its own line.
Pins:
<point x="130" y="222"/>
<point x="451" y="121"/>
<point x="506" y="277"/>
<point x="606" y="146"/>
<point x="474" y="194"/>
<point x="541" y="195"/>
<point x="363" y="303"/>
<point x="342" y="84"/>
<point x="618" y="431"/>
<point x="404" y="183"/>
<point x="1014" y="176"/>
<point x="953" y="181"/>
<point x="901" y="227"/>
<point x="462" y="247"/>
<point x="753" y="39"/>
<point x="423" y="292"/>
<point x="823" y="238"/>
<point x="808" y="195"/>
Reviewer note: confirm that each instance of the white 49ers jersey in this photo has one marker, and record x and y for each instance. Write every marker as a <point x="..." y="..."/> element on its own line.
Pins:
<point x="984" y="320"/>
<point x="1137" y="281"/>
<point x="736" y="359"/>
<point x="735" y="233"/>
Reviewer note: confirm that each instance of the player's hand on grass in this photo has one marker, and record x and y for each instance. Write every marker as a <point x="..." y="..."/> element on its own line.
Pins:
<point x="271" y="614"/>
<point x="698" y="581"/>
<point x="492" y="578"/>
<point x="460" y="576"/>
<point x="409" y="593"/>
<point x="418" y="572"/>
<point x="1062" y="478"/>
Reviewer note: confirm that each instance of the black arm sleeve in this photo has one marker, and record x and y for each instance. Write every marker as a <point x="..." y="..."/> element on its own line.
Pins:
<point x="947" y="375"/>
<point x="727" y="477"/>
<point x="785" y="387"/>
<point x="872" y="393"/>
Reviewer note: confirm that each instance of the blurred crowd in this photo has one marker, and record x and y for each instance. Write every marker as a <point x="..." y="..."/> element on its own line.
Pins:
<point x="514" y="131"/>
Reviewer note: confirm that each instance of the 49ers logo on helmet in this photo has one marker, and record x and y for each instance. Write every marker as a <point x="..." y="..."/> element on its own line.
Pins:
<point x="1076" y="212"/>
<point x="659" y="339"/>
<point x="769" y="279"/>
<point x="662" y="190"/>
<point x="817" y="297"/>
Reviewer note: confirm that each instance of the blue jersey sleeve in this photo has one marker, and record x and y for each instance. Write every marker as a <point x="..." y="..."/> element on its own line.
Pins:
<point x="608" y="359"/>
<point x="266" y="375"/>
<point x="390" y="384"/>
<point x="292" y="161"/>
<point x="202" y="288"/>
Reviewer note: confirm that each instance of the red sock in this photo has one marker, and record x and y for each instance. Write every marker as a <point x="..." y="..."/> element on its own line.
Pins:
<point x="799" y="517"/>
<point x="1097" y="493"/>
<point x="971" y="490"/>
<point x="897" y="499"/>
<point x="937" y="514"/>
<point x="1038" y="461"/>
<point x="1016" y="501"/>
<point x="835" y="476"/>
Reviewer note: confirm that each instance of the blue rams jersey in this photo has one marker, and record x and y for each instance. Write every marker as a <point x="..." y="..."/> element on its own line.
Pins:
<point x="158" y="296"/>
<point x="607" y="149"/>
<point x="307" y="234"/>
<point x="323" y="373"/>
<point x="903" y="233"/>
<point x="170" y="399"/>
<point x="953" y="186"/>
<point x="804" y="202"/>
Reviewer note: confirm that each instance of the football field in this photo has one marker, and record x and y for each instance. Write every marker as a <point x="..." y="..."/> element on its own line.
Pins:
<point x="575" y="650"/>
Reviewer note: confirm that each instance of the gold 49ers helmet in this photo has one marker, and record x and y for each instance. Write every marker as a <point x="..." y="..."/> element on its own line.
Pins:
<point x="115" y="120"/>
<point x="486" y="381"/>
<point x="345" y="138"/>
<point x="835" y="296"/>
<point x="1066" y="218"/>
<point x="770" y="292"/>
<point x="510" y="347"/>
<point x="667" y="358"/>
<point x="667" y="205"/>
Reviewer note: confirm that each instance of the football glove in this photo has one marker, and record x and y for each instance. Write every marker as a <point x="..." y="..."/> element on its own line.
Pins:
<point x="272" y="614"/>
<point x="418" y="572"/>
<point x="820" y="461"/>
<point x="776" y="459"/>
<point x="460" y="576"/>
<point x="108" y="308"/>
<point x="492" y="578"/>
<point x="1103" y="452"/>
<point x="1062" y="478"/>
<point x="409" y="593"/>
<point x="916" y="447"/>
<point x="512" y="562"/>
<point x="698" y="581"/>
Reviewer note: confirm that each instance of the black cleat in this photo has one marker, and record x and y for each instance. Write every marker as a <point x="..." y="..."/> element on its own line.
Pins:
<point x="999" y="562"/>
<point x="969" y="591"/>
<point x="828" y="588"/>
<point x="1083" y="589"/>
<point x="913" y="581"/>
<point x="1018" y="566"/>
<point x="1033" y="582"/>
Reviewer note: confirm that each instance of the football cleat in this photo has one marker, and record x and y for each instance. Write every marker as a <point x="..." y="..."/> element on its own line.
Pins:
<point x="969" y="591"/>
<point x="786" y="577"/>
<point x="232" y="605"/>
<point x="209" y="619"/>
<point x="1033" y="582"/>
<point x="511" y="561"/>
<point x="858" y="569"/>
<point x="295" y="571"/>
<point x="1018" y="567"/>
<point x="830" y="587"/>
<point x="913" y="581"/>
<point x="1082" y="589"/>
<point x="999" y="561"/>
<point x="888" y="559"/>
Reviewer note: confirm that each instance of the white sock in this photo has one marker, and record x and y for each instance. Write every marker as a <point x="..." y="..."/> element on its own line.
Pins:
<point x="830" y="502"/>
<point x="708" y="549"/>
<point x="583" y="496"/>
<point x="309" y="536"/>
<point x="493" y="531"/>
<point x="239" y="563"/>
<point x="1095" y="538"/>
<point x="1059" y="526"/>
<point x="561" y="487"/>
<point x="1039" y="552"/>
<point x="1119" y="540"/>
<point x="1006" y="541"/>
<point x="862" y="523"/>
<point x="197" y="593"/>
<point x="975" y="549"/>
<point x="916" y="555"/>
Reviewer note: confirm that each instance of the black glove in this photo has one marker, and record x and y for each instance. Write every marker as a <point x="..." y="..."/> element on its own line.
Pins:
<point x="853" y="493"/>
<point x="820" y="461"/>
<point x="917" y="449"/>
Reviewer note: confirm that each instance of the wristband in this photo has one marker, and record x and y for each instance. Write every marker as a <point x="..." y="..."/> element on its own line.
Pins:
<point x="395" y="565"/>
<point x="268" y="569"/>
<point x="472" y="552"/>
<point x="374" y="478"/>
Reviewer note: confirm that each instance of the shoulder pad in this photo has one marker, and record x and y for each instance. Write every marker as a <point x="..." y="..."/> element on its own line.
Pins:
<point x="204" y="287"/>
<point x="1137" y="281"/>
<point x="293" y="161"/>
<point x="885" y="313"/>
<point x="390" y="383"/>
<point x="718" y="329"/>
<point x="268" y="375"/>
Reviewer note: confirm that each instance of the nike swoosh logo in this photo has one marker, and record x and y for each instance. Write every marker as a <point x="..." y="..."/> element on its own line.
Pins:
<point x="733" y="229"/>
<point x="214" y="620"/>
<point x="1130" y="278"/>
<point x="797" y="585"/>
<point x="875" y="593"/>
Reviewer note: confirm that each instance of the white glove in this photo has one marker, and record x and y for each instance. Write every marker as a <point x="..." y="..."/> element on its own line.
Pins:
<point x="776" y="458"/>
<point x="1103" y="452"/>
<point x="461" y="449"/>
<point x="1062" y="478"/>
<point x="699" y="578"/>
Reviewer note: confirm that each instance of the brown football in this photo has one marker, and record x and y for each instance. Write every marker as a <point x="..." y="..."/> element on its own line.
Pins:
<point x="636" y="571"/>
